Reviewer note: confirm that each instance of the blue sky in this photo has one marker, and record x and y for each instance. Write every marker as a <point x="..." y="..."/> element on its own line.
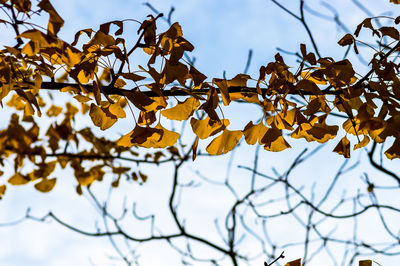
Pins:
<point x="222" y="33"/>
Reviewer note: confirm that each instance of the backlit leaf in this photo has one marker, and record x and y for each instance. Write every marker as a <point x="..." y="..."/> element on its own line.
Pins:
<point x="253" y="133"/>
<point x="225" y="142"/>
<point x="207" y="127"/>
<point x="183" y="110"/>
<point x="101" y="118"/>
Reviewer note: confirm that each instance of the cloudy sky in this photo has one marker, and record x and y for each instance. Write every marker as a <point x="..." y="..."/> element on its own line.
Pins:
<point x="222" y="32"/>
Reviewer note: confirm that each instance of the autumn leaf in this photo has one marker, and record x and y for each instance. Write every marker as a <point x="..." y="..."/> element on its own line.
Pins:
<point x="253" y="133"/>
<point x="390" y="31"/>
<point x="194" y="148"/>
<point x="55" y="21"/>
<point x="394" y="151"/>
<point x="294" y="263"/>
<point x="168" y="138"/>
<point x="207" y="127"/>
<point x="2" y="190"/>
<point x="224" y="143"/>
<point x="365" y="263"/>
<point x="101" y="117"/>
<point x="343" y="147"/>
<point x="46" y="185"/>
<point x="362" y="143"/>
<point x="183" y="110"/>
<point x="274" y="140"/>
<point x="223" y="88"/>
<point x="158" y="137"/>
<point x="18" y="179"/>
<point x="140" y="135"/>
<point x="146" y="118"/>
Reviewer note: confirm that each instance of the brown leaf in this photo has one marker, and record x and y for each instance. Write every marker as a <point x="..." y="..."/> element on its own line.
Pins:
<point x="343" y="147"/>
<point x="55" y="21"/>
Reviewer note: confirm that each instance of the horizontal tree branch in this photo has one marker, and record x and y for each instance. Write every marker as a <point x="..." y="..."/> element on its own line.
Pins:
<point x="110" y="90"/>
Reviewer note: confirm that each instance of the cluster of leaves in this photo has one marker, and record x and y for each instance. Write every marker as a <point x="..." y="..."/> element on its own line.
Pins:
<point x="104" y="90"/>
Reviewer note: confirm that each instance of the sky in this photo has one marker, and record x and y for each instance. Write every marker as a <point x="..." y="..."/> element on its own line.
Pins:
<point x="222" y="33"/>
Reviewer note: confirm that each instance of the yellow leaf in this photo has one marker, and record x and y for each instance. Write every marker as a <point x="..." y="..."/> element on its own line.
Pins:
<point x="82" y="98"/>
<point x="2" y="191"/>
<point x="363" y="143"/>
<point x="18" y="179"/>
<point x="207" y="127"/>
<point x="140" y="135"/>
<point x="54" y="110"/>
<point x="168" y="138"/>
<point x="343" y="147"/>
<point x="294" y="263"/>
<point x="309" y="76"/>
<point x="100" y="118"/>
<point x="117" y="110"/>
<point x="183" y="110"/>
<point x="46" y="185"/>
<point x="225" y="142"/>
<point x="320" y="132"/>
<point x="253" y="133"/>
